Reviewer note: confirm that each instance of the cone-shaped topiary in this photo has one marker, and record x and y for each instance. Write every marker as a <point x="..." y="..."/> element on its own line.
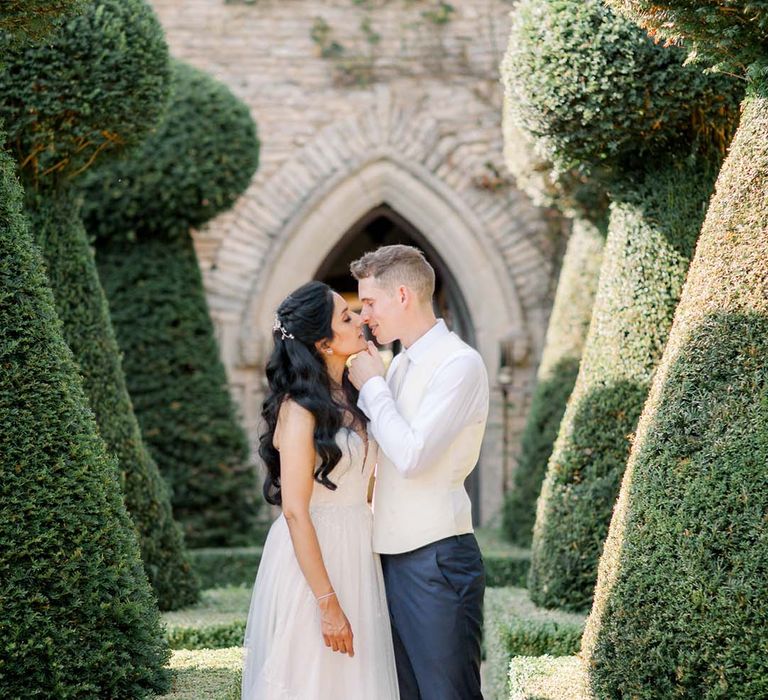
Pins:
<point x="680" y="604"/>
<point x="141" y="210"/>
<point x="78" y="616"/>
<point x="582" y="199"/>
<point x="99" y="81"/>
<point x="658" y="151"/>
<point x="559" y="367"/>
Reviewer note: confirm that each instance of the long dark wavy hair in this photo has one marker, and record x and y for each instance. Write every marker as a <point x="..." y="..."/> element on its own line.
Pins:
<point x="296" y="369"/>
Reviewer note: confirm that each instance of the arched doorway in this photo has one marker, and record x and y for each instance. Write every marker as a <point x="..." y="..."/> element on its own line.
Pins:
<point x="380" y="226"/>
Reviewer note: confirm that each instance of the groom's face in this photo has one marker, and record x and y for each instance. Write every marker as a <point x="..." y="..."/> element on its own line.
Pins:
<point x="381" y="311"/>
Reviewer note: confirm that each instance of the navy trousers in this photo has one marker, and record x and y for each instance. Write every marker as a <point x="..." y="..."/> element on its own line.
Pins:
<point x="435" y="597"/>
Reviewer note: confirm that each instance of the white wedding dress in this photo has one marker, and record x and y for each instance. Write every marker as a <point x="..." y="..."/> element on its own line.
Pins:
<point x="285" y="655"/>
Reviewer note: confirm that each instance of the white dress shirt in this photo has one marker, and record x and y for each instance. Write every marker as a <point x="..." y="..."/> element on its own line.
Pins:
<point x="456" y="396"/>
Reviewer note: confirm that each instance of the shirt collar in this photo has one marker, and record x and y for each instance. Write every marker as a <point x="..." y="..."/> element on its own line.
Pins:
<point x="421" y="348"/>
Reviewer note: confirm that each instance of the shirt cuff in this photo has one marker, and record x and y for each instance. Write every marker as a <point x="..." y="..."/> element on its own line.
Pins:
<point x="369" y="392"/>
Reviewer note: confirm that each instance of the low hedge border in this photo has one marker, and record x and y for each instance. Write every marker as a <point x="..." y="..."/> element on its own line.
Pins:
<point x="216" y="622"/>
<point x="514" y="626"/>
<point x="208" y="674"/>
<point x="548" y="678"/>
<point x="237" y="566"/>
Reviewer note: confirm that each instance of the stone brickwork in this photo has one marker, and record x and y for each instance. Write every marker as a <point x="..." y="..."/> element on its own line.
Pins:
<point x="361" y="103"/>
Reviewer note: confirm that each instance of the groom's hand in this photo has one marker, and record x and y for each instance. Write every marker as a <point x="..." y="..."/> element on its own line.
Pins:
<point x="365" y="366"/>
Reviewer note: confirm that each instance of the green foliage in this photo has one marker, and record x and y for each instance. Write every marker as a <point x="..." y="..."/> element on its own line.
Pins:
<point x="179" y="388"/>
<point x="571" y="192"/>
<point x="82" y="307"/>
<point x="237" y="566"/>
<point x="731" y="33"/>
<point x="682" y="596"/>
<point x="232" y="566"/>
<point x="516" y="627"/>
<point x="78" y="618"/>
<point x="652" y="233"/>
<point x="217" y="621"/>
<point x="97" y="83"/>
<point x="194" y="166"/>
<point x="548" y="678"/>
<point x="209" y="674"/>
<point x="596" y="93"/>
<point x="196" y="163"/>
<point x="559" y="367"/>
<point x="25" y="20"/>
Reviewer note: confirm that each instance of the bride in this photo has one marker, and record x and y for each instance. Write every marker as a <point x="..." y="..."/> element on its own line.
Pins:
<point x="318" y="626"/>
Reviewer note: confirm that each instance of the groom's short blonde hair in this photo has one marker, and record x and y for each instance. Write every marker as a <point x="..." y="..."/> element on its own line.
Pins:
<point x="395" y="265"/>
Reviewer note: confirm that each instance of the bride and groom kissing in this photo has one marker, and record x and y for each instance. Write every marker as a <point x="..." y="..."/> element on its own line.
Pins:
<point x="354" y="601"/>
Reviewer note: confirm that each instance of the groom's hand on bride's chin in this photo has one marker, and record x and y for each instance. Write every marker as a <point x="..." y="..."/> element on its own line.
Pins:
<point x="366" y="365"/>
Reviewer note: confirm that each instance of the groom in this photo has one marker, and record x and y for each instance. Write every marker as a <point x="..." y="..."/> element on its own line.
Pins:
<point x="428" y="414"/>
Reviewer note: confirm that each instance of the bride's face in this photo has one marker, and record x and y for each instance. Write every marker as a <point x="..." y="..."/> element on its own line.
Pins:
<point x="348" y="336"/>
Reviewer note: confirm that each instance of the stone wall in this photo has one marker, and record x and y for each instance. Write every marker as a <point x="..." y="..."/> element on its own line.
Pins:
<point x="361" y="103"/>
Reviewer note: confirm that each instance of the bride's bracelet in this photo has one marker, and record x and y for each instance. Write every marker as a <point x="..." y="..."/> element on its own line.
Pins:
<point x="327" y="595"/>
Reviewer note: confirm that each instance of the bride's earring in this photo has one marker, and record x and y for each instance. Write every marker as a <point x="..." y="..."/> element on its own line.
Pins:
<point x="329" y="351"/>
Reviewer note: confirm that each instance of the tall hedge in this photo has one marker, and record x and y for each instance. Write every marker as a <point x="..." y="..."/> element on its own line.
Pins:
<point x="78" y="616"/>
<point x="195" y="165"/>
<point x="25" y="20"/>
<point x="97" y="82"/>
<point x="682" y="596"/>
<point x="559" y="367"/>
<point x="584" y="201"/>
<point x="658" y="152"/>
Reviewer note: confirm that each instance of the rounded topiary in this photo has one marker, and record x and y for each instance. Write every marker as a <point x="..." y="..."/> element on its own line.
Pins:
<point x="141" y="209"/>
<point x="618" y="97"/>
<point x="733" y="35"/>
<point x="581" y="80"/>
<point x="23" y="20"/>
<point x="78" y="617"/>
<point x="195" y="165"/>
<point x="682" y="596"/>
<point x="99" y="81"/>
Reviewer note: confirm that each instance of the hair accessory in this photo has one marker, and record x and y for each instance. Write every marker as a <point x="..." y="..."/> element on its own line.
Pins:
<point x="277" y="326"/>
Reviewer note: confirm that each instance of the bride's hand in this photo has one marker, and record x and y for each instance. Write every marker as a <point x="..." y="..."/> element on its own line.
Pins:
<point x="337" y="632"/>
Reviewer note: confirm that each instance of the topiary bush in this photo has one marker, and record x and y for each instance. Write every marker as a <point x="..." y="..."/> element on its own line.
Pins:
<point x="582" y="199"/>
<point x="195" y="165"/>
<point x="559" y="367"/>
<point x="78" y="616"/>
<point x="680" y="604"/>
<point x="657" y="151"/>
<point x="25" y="20"/>
<point x="99" y="81"/>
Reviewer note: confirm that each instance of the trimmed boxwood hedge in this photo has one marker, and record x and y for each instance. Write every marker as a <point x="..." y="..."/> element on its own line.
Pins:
<point x="658" y="154"/>
<point x="209" y="674"/>
<point x="237" y="566"/>
<point x="82" y="307"/>
<point x="732" y="35"/>
<point x="585" y="201"/>
<point x="78" y="617"/>
<point x="195" y="165"/>
<point x="217" y="621"/>
<point x="559" y="367"/>
<point x="516" y="627"/>
<point x="548" y="678"/>
<point x="99" y="80"/>
<point x="26" y="20"/>
<point x="682" y="597"/>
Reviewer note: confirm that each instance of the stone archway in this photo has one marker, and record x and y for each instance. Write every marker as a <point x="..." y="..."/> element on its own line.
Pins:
<point x="396" y="152"/>
<point x="452" y="230"/>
